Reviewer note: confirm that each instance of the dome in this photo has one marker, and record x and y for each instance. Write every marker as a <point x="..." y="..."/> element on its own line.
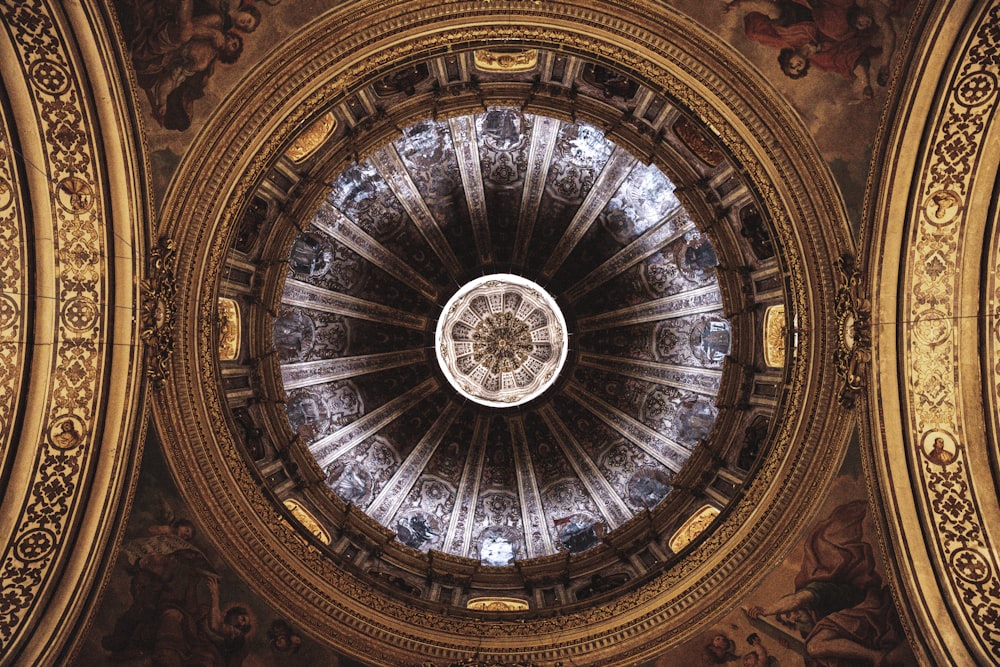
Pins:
<point x="447" y="394"/>
<point x="159" y="438"/>
<point x="358" y="232"/>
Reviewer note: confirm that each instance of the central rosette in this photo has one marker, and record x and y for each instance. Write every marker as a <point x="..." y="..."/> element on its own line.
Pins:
<point x="501" y="343"/>
<point x="501" y="340"/>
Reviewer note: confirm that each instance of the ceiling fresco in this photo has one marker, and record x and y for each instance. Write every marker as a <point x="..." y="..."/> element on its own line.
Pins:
<point x="343" y="263"/>
<point x="497" y="333"/>
<point x="168" y="563"/>
<point x="790" y="621"/>
<point x="660" y="238"/>
<point x="844" y="53"/>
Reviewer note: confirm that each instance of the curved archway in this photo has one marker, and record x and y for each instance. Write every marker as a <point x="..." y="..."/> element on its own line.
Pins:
<point x="74" y="238"/>
<point x="931" y="409"/>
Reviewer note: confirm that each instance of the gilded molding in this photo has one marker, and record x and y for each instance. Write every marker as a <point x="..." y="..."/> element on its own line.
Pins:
<point x="775" y="332"/>
<point x="497" y="604"/>
<point x="308" y="520"/>
<point x="309" y="141"/>
<point x="941" y="215"/>
<point x="159" y="310"/>
<point x="854" y="324"/>
<point x="14" y="298"/>
<point x="230" y="329"/>
<point x="933" y="451"/>
<point x="48" y="533"/>
<point x="695" y="525"/>
<point x="500" y="60"/>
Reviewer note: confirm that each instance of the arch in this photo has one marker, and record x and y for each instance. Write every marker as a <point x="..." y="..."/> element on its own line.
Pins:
<point x="75" y="213"/>
<point x="934" y="344"/>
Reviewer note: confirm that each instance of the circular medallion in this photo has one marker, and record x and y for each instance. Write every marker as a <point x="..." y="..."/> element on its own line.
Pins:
<point x="932" y="327"/>
<point x="35" y="545"/>
<point x="976" y="88"/>
<point x="80" y="314"/>
<point x="970" y="566"/>
<point x="501" y="340"/>
<point x="9" y="311"/>
<point x="67" y="432"/>
<point x="939" y="447"/>
<point x="51" y="76"/>
<point x="75" y="195"/>
<point x="942" y="207"/>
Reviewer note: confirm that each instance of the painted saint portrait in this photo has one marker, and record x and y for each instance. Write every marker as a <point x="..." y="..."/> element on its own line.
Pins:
<point x="294" y="335"/>
<point x="499" y="546"/>
<point x="710" y="340"/>
<point x="310" y="255"/>
<point x="418" y="529"/>
<point x="840" y="607"/>
<point x="308" y="414"/>
<point x="579" y="532"/>
<point x="350" y="481"/>
<point x="647" y="487"/>
<point x="939" y="447"/>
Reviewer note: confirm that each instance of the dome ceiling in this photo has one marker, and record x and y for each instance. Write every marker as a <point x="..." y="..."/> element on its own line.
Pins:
<point x="353" y="198"/>
<point x="237" y="226"/>
<point x="548" y="201"/>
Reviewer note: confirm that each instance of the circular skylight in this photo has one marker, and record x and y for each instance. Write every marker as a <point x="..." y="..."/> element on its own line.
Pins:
<point x="501" y="340"/>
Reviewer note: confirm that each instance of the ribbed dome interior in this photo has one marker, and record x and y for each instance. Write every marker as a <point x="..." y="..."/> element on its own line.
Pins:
<point x="560" y="205"/>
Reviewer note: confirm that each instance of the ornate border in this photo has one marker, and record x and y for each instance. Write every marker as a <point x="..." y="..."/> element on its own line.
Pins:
<point x="941" y="216"/>
<point x="14" y="306"/>
<point x="245" y="137"/>
<point x="942" y="507"/>
<point x="75" y="427"/>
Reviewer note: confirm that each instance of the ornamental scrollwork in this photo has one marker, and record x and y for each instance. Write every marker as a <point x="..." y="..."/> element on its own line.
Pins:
<point x="159" y="310"/>
<point x="854" y="332"/>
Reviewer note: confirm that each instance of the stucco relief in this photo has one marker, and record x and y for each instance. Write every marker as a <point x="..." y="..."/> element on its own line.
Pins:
<point x="506" y="60"/>
<point x="230" y="329"/>
<point x="309" y="141"/>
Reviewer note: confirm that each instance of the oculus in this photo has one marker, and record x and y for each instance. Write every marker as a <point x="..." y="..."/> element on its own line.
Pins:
<point x="501" y="340"/>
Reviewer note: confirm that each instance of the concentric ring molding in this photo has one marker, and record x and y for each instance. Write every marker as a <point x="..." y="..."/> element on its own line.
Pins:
<point x="554" y="330"/>
<point x="313" y="71"/>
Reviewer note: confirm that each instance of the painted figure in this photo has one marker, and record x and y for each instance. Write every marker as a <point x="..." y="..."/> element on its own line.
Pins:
<point x="720" y="650"/>
<point x="175" y="618"/>
<point x="840" y="36"/>
<point x="175" y="48"/>
<point x="757" y="656"/>
<point x="840" y="607"/>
